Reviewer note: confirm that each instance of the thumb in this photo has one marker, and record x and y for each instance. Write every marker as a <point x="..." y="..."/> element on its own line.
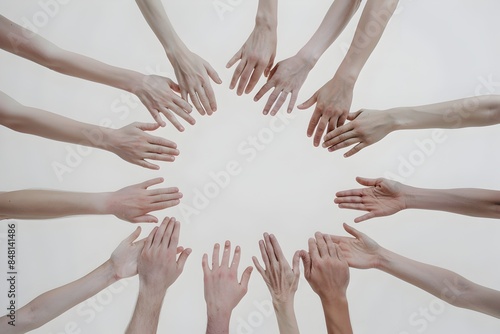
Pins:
<point x="366" y="181"/>
<point x="308" y="103"/>
<point x="352" y="231"/>
<point x="147" y="126"/>
<point x="306" y="260"/>
<point x="130" y="239"/>
<point x="174" y="86"/>
<point x="245" y="277"/>
<point x="353" y="115"/>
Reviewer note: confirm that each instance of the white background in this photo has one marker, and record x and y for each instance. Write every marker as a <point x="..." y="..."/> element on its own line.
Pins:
<point x="431" y="51"/>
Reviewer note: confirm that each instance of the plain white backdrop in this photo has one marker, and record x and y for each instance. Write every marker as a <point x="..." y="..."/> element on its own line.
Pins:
<point x="431" y="51"/>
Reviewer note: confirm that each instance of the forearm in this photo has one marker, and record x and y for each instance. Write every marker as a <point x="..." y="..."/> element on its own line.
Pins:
<point x="442" y="283"/>
<point x="218" y="321"/>
<point x="267" y="14"/>
<point x="468" y="112"/>
<point x="287" y="321"/>
<point x="336" y="310"/>
<point x="51" y="304"/>
<point x="147" y="311"/>
<point x="334" y="22"/>
<point x="470" y="202"/>
<point x="154" y="13"/>
<point x="376" y="13"/>
<point x="45" y="204"/>
<point x="37" y="49"/>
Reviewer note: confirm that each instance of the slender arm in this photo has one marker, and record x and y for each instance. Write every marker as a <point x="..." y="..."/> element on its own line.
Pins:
<point x="442" y="283"/>
<point x="147" y="311"/>
<point x="336" y="311"/>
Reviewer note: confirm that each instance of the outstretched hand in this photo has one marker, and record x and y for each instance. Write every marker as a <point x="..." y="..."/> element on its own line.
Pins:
<point x="124" y="257"/>
<point x="382" y="198"/>
<point x="133" y="203"/>
<point x="256" y="57"/>
<point x="365" y="128"/>
<point x="133" y="144"/>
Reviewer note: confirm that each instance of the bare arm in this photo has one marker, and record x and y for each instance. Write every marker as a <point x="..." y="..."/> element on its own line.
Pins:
<point x="192" y="72"/>
<point x="364" y="253"/>
<point x="333" y="100"/>
<point x="156" y="93"/>
<point x="49" y="305"/>
<point x="289" y="75"/>
<point x="369" y="126"/>
<point x="131" y="203"/>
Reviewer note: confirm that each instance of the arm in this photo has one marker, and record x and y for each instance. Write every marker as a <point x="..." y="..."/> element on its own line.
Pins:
<point x="369" y="126"/>
<point x="333" y="100"/>
<point x="289" y="75"/>
<point x="257" y="54"/>
<point x="158" y="268"/>
<point x="156" y="93"/>
<point x="192" y="72"/>
<point x="363" y="253"/>
<point x="131" y="204"/>
<point x="131" y="143"/>
<point x="327" y="271"/>
<point x="222" y="289"/>
<point x="385" y="197"/>
<point x="281" y="280"/>
<point x="122" y="264"/>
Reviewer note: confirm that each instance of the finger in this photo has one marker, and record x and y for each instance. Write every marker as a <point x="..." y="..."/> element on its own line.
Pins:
<point x="173" y="86"/>
<point x="269" y="66"/>
<point x="263" y="252"/>
<point x="145" y="219"/>
<point x="146" y="164"/>
<point x="130" y="239"/>
<point x="257" y="72"/>
<point x="313" y="248"/>
<point x="204" y="101"/>
<point x="344" y="144"/>
<point x="342" y="118"/>
<point x="215" y="256"/>
<point x="338" y="131"/>
<point x="179" y="249"/>
<point x="279" y="103"/>
<point x="196" y="102"/>
<point x="237" y="73"/>
<point x="267" y="86"/>
<point x="245" y="277"/>
<point x="330" y="245"/>
<point x="355" y="150"/>
<point x="225" y="256"/>
<point x="146" y="126"/>
<point x="314" y="121"/>
<point x="204" y="264"/>
<point x="353" y="115"/>
<point x="330" y="127"/>
<point x="157" y="117"/>
<point x="277" y="248"/>
<point x="174" y="235"/>
<point x="352" y="231"/>
<point x="270" y="249"/>
<point x="235" y="58"/>
<point x="183" y="258"/>
<point x="150" y="239"/>
<point x="292" y="102"/>
<point x="339" y="135"/>
<point x="270" y="101"/>
<point x="180" y="105"/>
<point x="306" y="260"/>
<point x="212" y="73"/>
<point x="236" y="258"/>
<point x="309" y="102"/>
<point x="163" y="191"/>
<point x="182" y="113"/>
<point x="160" y="233"/>
<point x="164" y="205"/>
<point x="350" y="192"/>
<point x="161" y="142"/>
<point x="340" y="254"/>
<point x="349" y="199"/>
<point x="165" y="197"/>
<point x="171" y="118"/>
<point x="149" y="183"/>
<point x="209" y="98"/>
<point x="364" y="217"/>
<point x="245" y="76"/>
<point x="367" y="182"/>
<point x="323" y="122"/>
<point x="258" y="266"/>
<point x="353" y="206"/>
<point x="320" y="241"/>
<point x="295" y="264"/>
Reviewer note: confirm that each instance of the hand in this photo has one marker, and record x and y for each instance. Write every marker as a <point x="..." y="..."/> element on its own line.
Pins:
<point x="333" y="102"/>
<point x="281" y="280"/>
<point x="193" y="73"/>
<point x="124" y="257"/>
<point x="157" y="94"/>
<point x="360" y="252"/>
<point x="158" y="264"/>
<point x="222" y="289"/>
<point x="325" y="267"/>
<point x="133" y="203"/>
<point x="286" y="77"/>
<point x="366" y="127"/>
<point x="133" y="144"/>
<point x="382" y="198"/>
<point x="256" y="57"/>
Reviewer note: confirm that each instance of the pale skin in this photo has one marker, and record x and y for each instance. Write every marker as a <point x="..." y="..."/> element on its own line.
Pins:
<point x="327" y="272"/>
<point x="132" y="143"/>
<point x="223" y="292"/>
<point x="192" y="72"/>
<point x="281" y="280"/>
<point x="132" y="203"/>
<point x="383" y="197"/>
<point x="158" y="266"/>
<point x="158" y="94"/>
<point x="49" y="305"/>
<point x="366" y="127"/>
<point x="333" y="100"/>
<point x="256" y="56"/>
<point x="362" y="252"/>
<point x="288" y="75"/>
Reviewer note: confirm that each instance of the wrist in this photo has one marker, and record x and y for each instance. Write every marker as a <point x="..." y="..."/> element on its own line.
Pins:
<point x="284" y="307"/>
<point x="347" y="76"/>
<point x="384" y="259"/>
<point x="267" y="21"/>
<point x="308" y="57"/>
<point x="109" y="272"/>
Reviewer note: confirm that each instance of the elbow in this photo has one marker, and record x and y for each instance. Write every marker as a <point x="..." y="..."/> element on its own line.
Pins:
<point x="458" y="292"/>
